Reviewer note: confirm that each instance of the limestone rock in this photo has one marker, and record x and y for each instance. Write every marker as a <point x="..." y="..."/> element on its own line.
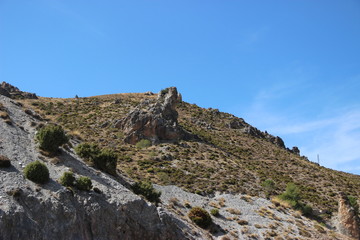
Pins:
<point x="154" y="121"/>
<point x="348" y="221"/>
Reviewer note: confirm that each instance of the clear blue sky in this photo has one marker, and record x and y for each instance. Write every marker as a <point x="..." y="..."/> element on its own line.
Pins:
<point x="289" y="67"/>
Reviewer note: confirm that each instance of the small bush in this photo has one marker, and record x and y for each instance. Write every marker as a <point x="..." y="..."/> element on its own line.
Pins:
<point x="67" y="179"/>
<point x="83" y="183"/>
<point x="200" y="217"/>
<point x="87" y="150"/>
<point x="269" y="186"/>
<point x="51" y="137"/>
<point x="306" y="210"/>
<point x="4" y="161"/>
<point x="147" y="190"/>
<point x="215" y="212"/>
<point x="104" y="159"/>
<point x="37" y="172"/>
<point x="353" y="202"/>
<point x="143" y="143"/>
<point x="291" y="194"/>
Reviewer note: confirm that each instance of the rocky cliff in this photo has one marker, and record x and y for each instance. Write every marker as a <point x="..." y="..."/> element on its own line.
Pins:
<point x="51" y="211"/>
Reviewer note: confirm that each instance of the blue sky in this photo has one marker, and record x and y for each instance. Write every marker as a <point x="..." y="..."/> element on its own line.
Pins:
<point x="289" y="67"/>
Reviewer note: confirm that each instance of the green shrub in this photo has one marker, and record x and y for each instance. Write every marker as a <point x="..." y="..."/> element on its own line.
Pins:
<point x="87" y="150"/>
<point x="4" y="161"/>
<point x="83" y="183"/>
<point x="147" y="190"/>
<point x="37" y="172"/>
<point x="291" y="194"/>
<point x="104" y="159"/>
<point x="214" y="212"/>
<point x="67" y="179"/>
<point x="143" y="143"/>
<point x="353" y="202"/>
<point x="51" y="137"/>
<point x="200" y="217"/>
<point x="269" y="186"/>
<point x="306" y="210"/>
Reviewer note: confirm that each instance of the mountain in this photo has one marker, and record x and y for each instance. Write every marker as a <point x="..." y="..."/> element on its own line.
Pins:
<point x="194" y="156"/>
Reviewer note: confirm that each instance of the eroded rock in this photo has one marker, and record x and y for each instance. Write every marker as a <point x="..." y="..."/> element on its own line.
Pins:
<point x="348" y="221"/>
<point x="154" y="121"/>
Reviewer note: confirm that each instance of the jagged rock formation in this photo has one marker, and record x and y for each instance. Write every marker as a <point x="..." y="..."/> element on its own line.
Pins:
<point x="51" y="211"/>
<point x="10" y="91"/>
<point x="348" y="221"/>
<point x="238" y="123"/>
<point x="156" y="122"/>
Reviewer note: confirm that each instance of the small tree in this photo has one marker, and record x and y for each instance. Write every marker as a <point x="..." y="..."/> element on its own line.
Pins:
<point x="200" y="217"/>
<point x="50" y="137"/>
<point x="37" y="172"/>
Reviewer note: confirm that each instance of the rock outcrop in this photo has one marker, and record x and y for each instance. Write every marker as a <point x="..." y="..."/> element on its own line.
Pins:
<point x="10" y="91"/>
<point x="51" y="211"/>
<point x="156" y="122"/>
<point x="348" y="221"/>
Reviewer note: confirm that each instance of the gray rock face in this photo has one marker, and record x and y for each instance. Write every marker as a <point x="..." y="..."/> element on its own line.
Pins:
<point x="51" y="211"/>
<point x="156" y="122"/>
<point x="10" y="91"/>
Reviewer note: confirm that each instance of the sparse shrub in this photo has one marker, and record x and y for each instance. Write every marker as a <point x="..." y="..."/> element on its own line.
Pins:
<point x="37" y="172"/>
<point x="215" y="212"/>
<point x="269" y="186"/>
<point x="147" y="190"/>
<point x="4" y="161"/>
<point x="67" y="179"/>
<point x="200" y="217"/>
<point x="353" y="202"/>
<point x="143" y="143"/>
<point x="51" y="137"/>
<point x="84" y="183"/>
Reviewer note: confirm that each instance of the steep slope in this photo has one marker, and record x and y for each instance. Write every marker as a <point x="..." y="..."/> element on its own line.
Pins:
<point x="51" y="211"/>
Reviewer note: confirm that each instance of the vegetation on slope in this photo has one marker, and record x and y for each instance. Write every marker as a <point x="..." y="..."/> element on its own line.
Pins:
<point x="225" y="159"/>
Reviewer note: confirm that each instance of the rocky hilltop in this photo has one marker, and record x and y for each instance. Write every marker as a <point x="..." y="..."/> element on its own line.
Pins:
<point x="196" y="157"/>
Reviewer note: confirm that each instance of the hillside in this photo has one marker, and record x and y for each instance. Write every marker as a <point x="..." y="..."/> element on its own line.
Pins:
<point x="217" y="158"/>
